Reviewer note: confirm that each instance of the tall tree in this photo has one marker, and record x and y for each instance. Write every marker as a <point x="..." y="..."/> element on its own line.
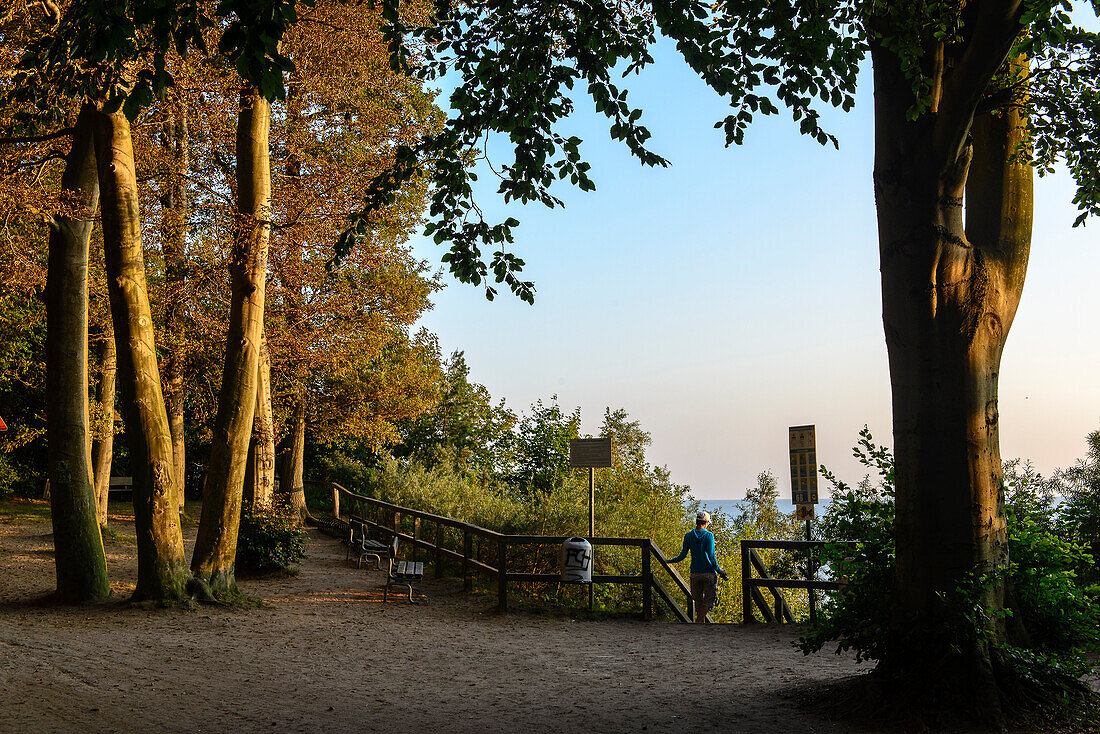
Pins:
<point x="175" y="205"/>
<point x="103" y="438"/>
<point x="216" y="544"/>
<point x="162" y="570"/>
<point x="80" y="560"/>
<point x="945" y="348"/>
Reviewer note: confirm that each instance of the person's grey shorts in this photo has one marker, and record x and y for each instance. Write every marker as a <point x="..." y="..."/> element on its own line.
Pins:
<point x="704" y="588"/>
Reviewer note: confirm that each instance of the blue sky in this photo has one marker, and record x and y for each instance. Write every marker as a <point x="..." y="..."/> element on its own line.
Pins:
<point x="736" y="293"/>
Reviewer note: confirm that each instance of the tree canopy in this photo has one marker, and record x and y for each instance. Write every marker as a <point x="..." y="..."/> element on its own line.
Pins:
<point x="521" y="67"/>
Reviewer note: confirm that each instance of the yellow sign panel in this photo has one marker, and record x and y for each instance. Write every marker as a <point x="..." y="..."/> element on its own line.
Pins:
<point x="803" y="444"/>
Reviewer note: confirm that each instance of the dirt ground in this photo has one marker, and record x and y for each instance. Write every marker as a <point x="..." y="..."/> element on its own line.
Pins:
<point x="323" y="653"/>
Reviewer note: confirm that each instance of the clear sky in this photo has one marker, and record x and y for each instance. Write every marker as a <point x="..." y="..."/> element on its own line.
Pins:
<point x="736" y="293"/>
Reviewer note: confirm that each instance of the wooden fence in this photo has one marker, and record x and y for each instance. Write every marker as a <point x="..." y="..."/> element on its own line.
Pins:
<point x="482" y="551"/>
<point x="751" y="586"/>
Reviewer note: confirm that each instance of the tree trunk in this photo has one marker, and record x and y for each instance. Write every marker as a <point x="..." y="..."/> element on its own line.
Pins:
<point x="162" y="570"/>
<point x="103" y="444"/>
<point x="78" y="546"/>
<point x="175" y="204"/>
<point x="950" y="293"/>
<point x="259" y="484"/>
<point x="216" y="545"/>
<point x="293" y="467"/>
<point x="293" y="479"/>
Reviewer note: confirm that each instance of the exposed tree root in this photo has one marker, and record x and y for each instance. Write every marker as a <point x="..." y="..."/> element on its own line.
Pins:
<point x="201" y="592"/>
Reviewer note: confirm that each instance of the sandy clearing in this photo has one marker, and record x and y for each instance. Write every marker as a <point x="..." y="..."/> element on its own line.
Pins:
<point x="323" y="653"/>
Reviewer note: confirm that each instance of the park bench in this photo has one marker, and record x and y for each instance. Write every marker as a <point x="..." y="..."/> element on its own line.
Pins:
<point x="331" y="526"/>
<point x="362" y="545"/>
<point x="120" y="485"/>
<point x="402" y="573"/>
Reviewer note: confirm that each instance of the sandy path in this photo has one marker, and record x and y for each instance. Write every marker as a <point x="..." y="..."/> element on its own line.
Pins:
<point x="324" y="654"/>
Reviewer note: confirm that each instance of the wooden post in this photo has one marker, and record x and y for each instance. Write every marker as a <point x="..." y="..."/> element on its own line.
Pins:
<point x="438" y="545"/>
<point x="335" y="502"/>
<point x="591" y="503"/>
<point x="592" y="528"/>
<point x="502" y="575"/>
<point x="811" y="574"/>
<point x="467" y="551"/>
<point x="746" y="591"/>
<point x="416" y="537"/>
<point x="647" y="580"/>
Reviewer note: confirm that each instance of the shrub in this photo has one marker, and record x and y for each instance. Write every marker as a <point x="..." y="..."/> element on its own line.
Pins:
<point x="8" y="476"/>
<point x="270" y="540"/>
<point x="1059" y="614"/>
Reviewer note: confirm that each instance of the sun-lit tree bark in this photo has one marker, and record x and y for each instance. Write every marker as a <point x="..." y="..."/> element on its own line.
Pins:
<point x="173" y="235"/>
<point x="162" y="570"/>
<point x="951" y="283"/>
<point x="78" y="546"/>
<point x="292" y="482"/>
<point x="259" y="483"/>
<point x="103" y="440"/>
<point x="215" y="547"/>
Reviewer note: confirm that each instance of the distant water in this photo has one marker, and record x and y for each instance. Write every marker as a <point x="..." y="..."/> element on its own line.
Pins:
<point x="731" y="507"/>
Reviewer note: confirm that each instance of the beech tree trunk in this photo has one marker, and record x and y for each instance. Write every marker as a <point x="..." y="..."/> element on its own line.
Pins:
<point x="216" y="545"/>
<point x="259" y="483"/>
<point x="293" y="479"/>
<point x="103" y="443"/>
<point x="293" y="465"/>
<point x="78" y="546"/>
<point x="950" y="289"/>
<point x="175" y="204"/>
<point x="162" y="570"/>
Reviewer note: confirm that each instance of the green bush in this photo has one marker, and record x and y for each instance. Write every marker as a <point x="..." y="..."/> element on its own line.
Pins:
<point x="270" y="540"/>
<point x="1059" y="614"/>
<point x="8" y="477"/>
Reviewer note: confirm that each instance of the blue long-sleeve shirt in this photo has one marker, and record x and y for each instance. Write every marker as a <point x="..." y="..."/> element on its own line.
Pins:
<point x="700" y="543"/>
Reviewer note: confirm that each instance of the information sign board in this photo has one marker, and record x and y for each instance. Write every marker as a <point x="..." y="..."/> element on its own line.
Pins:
<point x="586" y="453"/>
<point x="803" y="442"/>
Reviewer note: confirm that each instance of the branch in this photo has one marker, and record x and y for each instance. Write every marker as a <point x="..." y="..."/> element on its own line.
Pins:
<point x="40" y="163"/>
<point x="996" y="27"/>
<point x="37" y="138"/>
<point x="52" y="11"/>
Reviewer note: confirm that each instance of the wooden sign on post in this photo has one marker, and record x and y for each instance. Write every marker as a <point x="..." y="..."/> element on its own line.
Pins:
<point x="803" y="442"/>
<point x="591" y="454"/>
<point x="588" y="453"/>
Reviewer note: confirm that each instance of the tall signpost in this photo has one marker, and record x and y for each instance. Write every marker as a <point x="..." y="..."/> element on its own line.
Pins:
<point x="591" y="454"/>
<point x="803" y="444"/>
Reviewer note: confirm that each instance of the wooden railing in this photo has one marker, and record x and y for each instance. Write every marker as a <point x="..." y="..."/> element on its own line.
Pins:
<point x="751" y="586"/>
<point x="484" y="551"/>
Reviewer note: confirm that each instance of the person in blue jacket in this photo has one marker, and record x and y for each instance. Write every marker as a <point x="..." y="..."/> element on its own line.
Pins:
<point x="704" y="566"/>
